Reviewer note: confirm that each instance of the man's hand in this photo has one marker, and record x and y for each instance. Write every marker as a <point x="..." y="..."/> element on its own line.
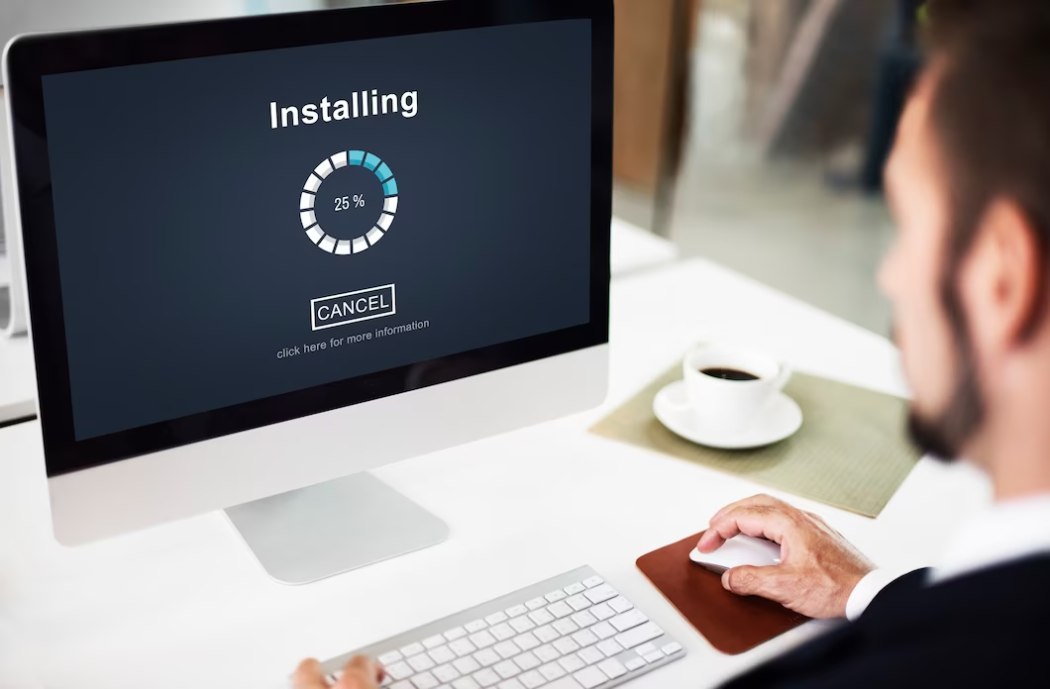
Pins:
<point x="359" y="673"/>
<point x="818" y="568"/>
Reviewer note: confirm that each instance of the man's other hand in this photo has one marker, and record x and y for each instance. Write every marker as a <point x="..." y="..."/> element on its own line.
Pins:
<point x="359" y="673"/>
<point x="818" y="568"/>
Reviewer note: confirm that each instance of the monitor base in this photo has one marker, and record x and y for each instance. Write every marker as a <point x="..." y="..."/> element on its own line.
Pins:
<point x="313" y="533"/>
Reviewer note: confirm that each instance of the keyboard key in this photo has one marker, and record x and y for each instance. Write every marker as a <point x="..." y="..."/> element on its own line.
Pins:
<point x="522" y="624"/>
<point x="565" y="645"/>
<point x="654" y="656"/>
<point x="593" y="581"/>
<point x="610" y="648"/>
<point x="511" y="684"/>
<point x="552" y="671"/>
<point x="507" y="669"/>
<point x="600" y="594"/>
<point x="466" y="683"/>
<point x="532" y="679"/>
<point x="560" y="609"/>
<point x="466" y="665"/>
<point x="506" y="649"/>
<point x="421" y="662"/>
<point x="425" y="681"/>
<point x="442" y="655"/>
<point x="446" y="673"/>
<point x="671" y="648"/>
<point x="634" y="663"/>
<point x="628" y="620"/>
<point x="555" y="596"/>
<point x="526" y="641"/>
<point x="482" y="639"/>
<point x="527" y="661"/>
<point x="496" y="618"/>
<point x="502" y="632"/>
<point x="547" y="653"/>
<point x="564" y="683"/>
<point x="434" y="641"/>
<point x="547" y="634"/>
<point x="584" y="619"/>
<point x="565" y="626"/>
<point x="613" y="668"/>
<point x="603" y="611"/>
<point x="585" y="637"/>
<point x="572" y="663"/>
<point x="639" y="635"/>
<point x="517" y="611"/>
<point x="645" y="649"/>
<point x="536" y="603"/>
<point x="399" y="670"/>
<point x="412" y="650"/>
<point x="486" y="678"/>
<point x="541" y="617"/>
<point x="603" y="630"/>
<point x="591" y="656"/>
<point x="578" y="602"/>
<point x="620" y="604"/>
<point x="573" y="589"/>
<point x="590" y="677"/>
<point x="455" y="633"/>
<point x="462" y="647"/>
<point x="390" y="658"/>
<point x="487" y="657"/>
<point x="475" y="626"/>
<point x="404" y="684"/>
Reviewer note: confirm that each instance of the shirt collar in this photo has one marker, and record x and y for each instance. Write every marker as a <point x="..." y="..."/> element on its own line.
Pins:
<point x="1005" y="532"/>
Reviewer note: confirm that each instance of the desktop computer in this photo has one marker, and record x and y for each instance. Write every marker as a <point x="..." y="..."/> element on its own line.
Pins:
<point x="266" y="255"/>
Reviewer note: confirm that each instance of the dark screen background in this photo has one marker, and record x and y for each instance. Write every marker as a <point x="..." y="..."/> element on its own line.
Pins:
<point x="183" y="261"/>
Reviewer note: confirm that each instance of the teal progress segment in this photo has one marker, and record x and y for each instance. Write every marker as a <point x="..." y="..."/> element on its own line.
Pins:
<point x="308" y="199"/>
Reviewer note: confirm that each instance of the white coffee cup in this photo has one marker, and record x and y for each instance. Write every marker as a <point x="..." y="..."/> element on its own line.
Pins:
<point x="731" y="406"/>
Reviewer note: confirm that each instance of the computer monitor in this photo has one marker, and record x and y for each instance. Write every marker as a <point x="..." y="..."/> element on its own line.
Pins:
<point x="266" y="253"/>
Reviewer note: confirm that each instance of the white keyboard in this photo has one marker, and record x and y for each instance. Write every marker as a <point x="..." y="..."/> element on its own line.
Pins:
<point x="570" y="632"/>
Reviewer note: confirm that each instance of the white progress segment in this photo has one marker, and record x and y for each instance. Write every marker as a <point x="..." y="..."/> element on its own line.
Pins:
<point x="374" y="235"/>
<point x="390" y="205"/>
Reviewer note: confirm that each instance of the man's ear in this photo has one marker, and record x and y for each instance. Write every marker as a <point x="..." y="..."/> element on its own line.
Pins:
<point x="1001" y="280"/>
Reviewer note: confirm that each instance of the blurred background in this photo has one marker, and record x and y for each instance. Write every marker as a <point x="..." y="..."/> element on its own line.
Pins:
<point x="749" y="132"/>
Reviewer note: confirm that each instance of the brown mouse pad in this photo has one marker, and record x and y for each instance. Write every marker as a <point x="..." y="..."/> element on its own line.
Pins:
<point x="731" y="623"/>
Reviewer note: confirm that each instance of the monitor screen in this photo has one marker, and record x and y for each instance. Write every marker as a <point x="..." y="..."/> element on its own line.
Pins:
<point x="236" y="227"/>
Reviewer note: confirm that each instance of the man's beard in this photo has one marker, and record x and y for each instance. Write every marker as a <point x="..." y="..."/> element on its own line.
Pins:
<point x="944" y="436"/>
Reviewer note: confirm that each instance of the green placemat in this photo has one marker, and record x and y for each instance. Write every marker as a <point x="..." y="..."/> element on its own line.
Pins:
<point x="850" y="452"/>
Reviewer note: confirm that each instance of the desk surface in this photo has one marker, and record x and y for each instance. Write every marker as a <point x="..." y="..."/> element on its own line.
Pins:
<point x="186" y="605"/>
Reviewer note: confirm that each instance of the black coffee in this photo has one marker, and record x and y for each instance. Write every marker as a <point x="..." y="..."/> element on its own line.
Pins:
<point x="728" y="374"/>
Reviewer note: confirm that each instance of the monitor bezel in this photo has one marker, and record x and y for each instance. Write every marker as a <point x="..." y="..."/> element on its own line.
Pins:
<point x="28" y="59"/>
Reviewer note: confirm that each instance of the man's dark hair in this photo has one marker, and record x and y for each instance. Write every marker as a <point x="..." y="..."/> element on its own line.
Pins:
<point x="990" y="118"/>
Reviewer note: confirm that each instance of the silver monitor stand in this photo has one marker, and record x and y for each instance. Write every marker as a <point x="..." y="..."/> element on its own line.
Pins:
<point x="313" y="533"/>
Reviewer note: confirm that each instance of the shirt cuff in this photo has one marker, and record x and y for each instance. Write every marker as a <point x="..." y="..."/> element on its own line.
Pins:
<point x="866" y="590"/>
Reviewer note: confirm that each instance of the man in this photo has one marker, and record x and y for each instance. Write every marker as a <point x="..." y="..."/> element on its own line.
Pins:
<point x="969" y="182"/>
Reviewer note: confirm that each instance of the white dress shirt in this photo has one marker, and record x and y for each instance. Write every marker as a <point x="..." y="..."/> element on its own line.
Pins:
<point x="1005" y="532"/>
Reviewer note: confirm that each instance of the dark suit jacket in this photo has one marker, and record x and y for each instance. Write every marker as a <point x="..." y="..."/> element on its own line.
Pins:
<point x="987" y="629"/>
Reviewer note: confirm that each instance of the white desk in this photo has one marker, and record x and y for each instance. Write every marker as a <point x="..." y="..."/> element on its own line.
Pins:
<point x="184" y="605"/>
<point x="634" y="249"/>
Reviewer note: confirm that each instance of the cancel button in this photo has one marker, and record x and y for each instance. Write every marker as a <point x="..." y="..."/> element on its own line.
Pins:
<point x="352" y="307"/>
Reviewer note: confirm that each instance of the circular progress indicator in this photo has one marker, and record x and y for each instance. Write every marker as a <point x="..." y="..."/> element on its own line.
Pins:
<point x="308" y="200"/>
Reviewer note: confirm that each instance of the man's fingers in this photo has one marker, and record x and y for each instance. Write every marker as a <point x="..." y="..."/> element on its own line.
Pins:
<point x="752" y="581"/>
<point x="361" y="673"/>
<point x="761" y="500"/>
<point x="771" y="523"/>
<point x="309" y="676"/>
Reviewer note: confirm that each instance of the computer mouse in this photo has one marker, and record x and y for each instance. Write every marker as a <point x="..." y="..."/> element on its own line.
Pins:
<point x="741" y="550"/>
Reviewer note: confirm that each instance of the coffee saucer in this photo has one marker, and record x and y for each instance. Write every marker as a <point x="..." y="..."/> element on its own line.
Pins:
<point x="781" y="419"/>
